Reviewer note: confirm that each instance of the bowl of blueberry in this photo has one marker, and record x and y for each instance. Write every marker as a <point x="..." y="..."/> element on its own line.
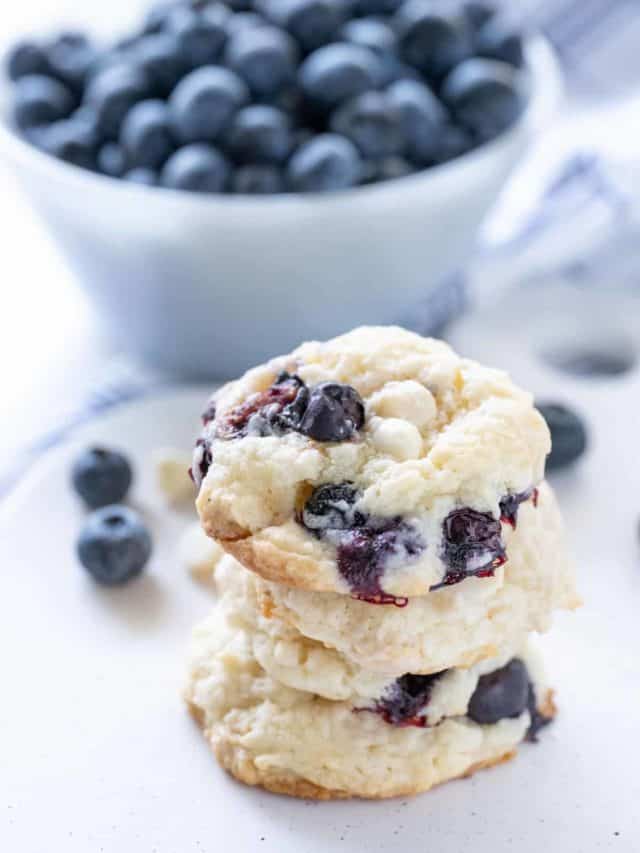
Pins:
<point x="227" y="178"/>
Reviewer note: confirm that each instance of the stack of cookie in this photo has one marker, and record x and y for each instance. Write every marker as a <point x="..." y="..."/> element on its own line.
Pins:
<point x="390" y="544"/>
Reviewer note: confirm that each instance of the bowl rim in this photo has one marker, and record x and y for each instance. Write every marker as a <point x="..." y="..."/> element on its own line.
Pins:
<point x="546" y="88"/>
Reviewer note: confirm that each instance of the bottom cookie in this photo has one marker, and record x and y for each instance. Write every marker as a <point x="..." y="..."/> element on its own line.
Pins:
<point x="295" y="742"/>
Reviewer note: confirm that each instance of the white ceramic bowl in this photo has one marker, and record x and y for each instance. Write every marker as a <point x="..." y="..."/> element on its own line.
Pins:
<point x="206" y="286"/>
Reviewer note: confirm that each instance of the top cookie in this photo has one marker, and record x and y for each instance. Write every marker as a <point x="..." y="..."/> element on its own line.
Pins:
<point x="378" y="464"/>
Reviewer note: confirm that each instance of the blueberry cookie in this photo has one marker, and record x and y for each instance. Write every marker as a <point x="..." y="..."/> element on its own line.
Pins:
<point x="458" y="625"/>
<point x="379" y="464"/>
<point x="417" y="732"/>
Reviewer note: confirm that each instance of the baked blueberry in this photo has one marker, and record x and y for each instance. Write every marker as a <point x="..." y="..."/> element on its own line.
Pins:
<point x="199" y="167"/>
<point x="510" y="504"/>
<point x="200" y="35"/>
<point x="404" y="701"/>
<point x="142" y="175"/>
<point x="538" y="719"/>
<point x="373" y="123"/>
<point x="500" y="695"/>
<point x="112" y="92"/>
<point x="569" y="437"/>
<point x="495" y="40"/>
<point x="70" y="56"/>
<point x="262" y="412"/>
<point x="331" y="507"/>
<point x="114" y="545"/>
<point x="432" y="38"/>
<point x="259" y="134"/>
<point x="484" y="96"/>
<point x="146" y="137"/>
<point x="204" y="102"/>
<point x="423" y="118"/>
<point x="101" y="476"/>
<point x="471" y="545"/>
<point x="26" y="59"/>
<point x="202" y="459"/>
<point x="265" y="57"/>
<point x="111" y="160"/>
<point x="363" y="553"/>
<point x="326" y="162"/>
<point x="372" y="33"/>
<point x="339" y="71"/>
<point x="72" y="140"/>
<point x="158" y="57"/>
<point x="39" y="100"/>
<point x="257" y="179"/>
<point x="334" y="412"/>
<point x="311" y="22"/>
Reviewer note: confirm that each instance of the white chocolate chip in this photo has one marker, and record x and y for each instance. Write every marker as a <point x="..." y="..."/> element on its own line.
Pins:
<point x="199" y="554"/>
<point x="396" y="437"/>
<point x="408" y="400"/>
<point x="172" y="473"/>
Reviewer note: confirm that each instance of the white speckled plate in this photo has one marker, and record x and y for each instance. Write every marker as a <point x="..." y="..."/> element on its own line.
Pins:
<point x="99" y="754"/>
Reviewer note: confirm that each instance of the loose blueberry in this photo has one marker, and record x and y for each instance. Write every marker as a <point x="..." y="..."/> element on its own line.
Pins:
<point x="146" y="136"/>
<point x="71" y="140"/>
<point x="334" y="73"/>
<point x="111" y="160"/>
<point x="141" y="175"/>
<point x="244" y="21"/>
<point x="112" y="93"/>
<point x="331" y="507"/>
<point x="70" y="57"/>
<point x="432" y="38"/>
<point x="334" y="412"/>
<point x="265" y="57"/>
<point x="326" y="162"/>
<point x="198" y="167"/>
<point x="40" y="100"/>
<point x="257" y="179"/>
<point x="101" y="476"/>
<point x="471" y="545"/>
<point x="377" y="7"/>
<point x="387" y="169"/>
<point x="26" y="59"/>
<point x="372" y="33"/>
<point x="200" y="35"/>
<point x="569" y="437"/>
<point x="503" y="694"/>
<point x="373" y="123"/>
<point x="479" y="13"/>
<point x="406" y="699"/>
<point x="454" y="142"/>
<point x="114" y="545"/>
<point x="158" y="16"/>
<point x="203" y="103"/>
<point x="497" y="41"/>
<point x="259" y="134"/>
<point x="423" y="118"/>
<point x="484" y="96"/>
<point x="158" y="57"/>
<point x="311" y="22"/>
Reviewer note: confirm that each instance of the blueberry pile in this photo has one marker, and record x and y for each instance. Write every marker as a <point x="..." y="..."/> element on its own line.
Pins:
<point x="114" y="544"/>
<point x="271" y="96"/>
